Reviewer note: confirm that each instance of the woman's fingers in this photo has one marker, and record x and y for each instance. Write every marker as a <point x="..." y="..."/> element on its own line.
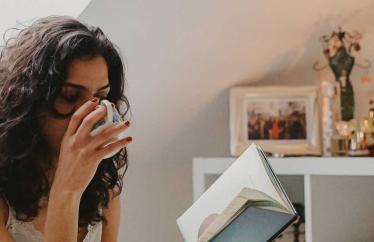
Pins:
<point x="109" y="133"/>
<point x="91" y="119"/>
<point x="79" y="115"/>
<point x="113" y="147"/>
<point x="82" y="122"/>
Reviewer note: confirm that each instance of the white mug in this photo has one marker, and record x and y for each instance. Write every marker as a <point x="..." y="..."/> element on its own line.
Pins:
<point x="111" y="119"/>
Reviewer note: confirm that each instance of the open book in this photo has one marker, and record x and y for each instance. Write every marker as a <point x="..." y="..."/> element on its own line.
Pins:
<point x="246" y="203"/>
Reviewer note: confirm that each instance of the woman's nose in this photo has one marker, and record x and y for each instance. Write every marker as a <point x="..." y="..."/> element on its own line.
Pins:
<point x="89" y="97"/>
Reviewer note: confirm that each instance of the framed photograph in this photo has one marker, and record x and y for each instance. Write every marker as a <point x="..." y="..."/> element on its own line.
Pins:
<point x="283" y="120"/>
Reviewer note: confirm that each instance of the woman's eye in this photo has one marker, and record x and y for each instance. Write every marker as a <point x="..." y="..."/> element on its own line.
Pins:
<point x="102" y="97"/>
<point x="69" y="96"/>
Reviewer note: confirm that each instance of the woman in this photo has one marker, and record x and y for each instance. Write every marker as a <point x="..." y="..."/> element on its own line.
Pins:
<point x="54" y="183"/>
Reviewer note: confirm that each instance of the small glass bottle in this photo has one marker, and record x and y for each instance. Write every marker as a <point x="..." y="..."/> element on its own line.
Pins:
<point x="370" y="130"/>
<point x="371" y="109"/>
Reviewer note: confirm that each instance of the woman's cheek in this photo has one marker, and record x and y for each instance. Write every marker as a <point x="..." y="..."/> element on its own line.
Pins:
<point x="64" y="108"/>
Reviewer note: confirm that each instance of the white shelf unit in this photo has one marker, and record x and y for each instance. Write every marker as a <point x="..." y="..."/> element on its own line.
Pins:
<point x="305" y="166"/>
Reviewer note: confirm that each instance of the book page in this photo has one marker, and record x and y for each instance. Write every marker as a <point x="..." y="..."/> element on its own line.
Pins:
<point x="276" y="183"/>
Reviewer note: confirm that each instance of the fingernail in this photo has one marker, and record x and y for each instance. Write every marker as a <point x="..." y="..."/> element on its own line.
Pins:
<point x="129" y="139"/>
<point x="127" y="123"/>
<point x="94" y="100"/>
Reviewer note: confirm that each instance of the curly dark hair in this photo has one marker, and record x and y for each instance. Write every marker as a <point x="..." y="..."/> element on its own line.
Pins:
<point x="33" y="68"/>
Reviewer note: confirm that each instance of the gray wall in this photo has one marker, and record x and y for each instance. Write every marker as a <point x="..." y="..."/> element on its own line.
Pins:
<point x="342" y="208"/>
<point x="182" y="56"/>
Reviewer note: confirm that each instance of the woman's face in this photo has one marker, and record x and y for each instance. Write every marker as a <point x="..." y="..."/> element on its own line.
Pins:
<point x="86" y="79"/>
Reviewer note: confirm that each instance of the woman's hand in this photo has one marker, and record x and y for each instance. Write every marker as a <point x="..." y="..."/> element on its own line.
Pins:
<point x="81" y="153"/>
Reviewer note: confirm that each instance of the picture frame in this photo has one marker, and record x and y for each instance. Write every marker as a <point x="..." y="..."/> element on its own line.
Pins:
<point x="283" y="120"/>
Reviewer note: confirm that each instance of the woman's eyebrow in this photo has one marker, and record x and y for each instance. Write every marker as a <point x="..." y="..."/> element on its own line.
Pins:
<point x="83" y="87"/>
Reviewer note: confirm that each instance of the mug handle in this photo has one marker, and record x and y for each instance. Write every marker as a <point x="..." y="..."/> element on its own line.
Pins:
<point x="109" y="110"/>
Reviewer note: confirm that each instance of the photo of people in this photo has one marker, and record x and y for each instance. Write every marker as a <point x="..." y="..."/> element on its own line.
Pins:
<point x="276" y="120"/>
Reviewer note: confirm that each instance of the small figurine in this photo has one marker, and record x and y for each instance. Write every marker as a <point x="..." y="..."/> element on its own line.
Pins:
<point x="338" y="49"/>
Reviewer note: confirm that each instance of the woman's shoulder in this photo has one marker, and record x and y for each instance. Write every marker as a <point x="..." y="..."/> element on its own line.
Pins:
<point x="4" y="211"/>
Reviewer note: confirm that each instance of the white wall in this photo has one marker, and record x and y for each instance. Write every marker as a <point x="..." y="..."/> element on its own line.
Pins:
<point x="182" y="56"/>
<point x="16" y="13"/>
